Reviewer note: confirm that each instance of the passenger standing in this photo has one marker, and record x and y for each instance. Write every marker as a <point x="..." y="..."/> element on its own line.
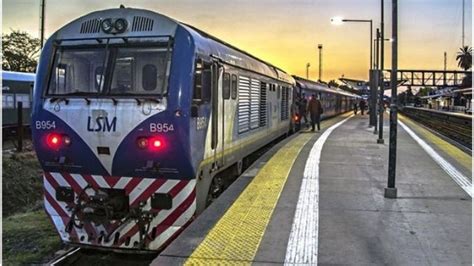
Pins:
<point x="302" y="107"/>
<point x="355" y="108"/>
<point x="362" y="106"/>
<point x="315" y="110"/>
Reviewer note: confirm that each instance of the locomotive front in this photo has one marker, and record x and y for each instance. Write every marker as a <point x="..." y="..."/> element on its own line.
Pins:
<point x="111" y="132"/>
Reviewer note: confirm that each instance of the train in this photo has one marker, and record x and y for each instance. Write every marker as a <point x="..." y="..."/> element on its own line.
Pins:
<point x="16" y="87"/>
<point x="138" y="118"/>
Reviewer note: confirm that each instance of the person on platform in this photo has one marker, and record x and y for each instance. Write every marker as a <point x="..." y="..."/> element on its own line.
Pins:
<point x="362" y="106"/>
<point x="302" y="109"/>
<point x="355" y="108"/>
<point x="315" y="110"/>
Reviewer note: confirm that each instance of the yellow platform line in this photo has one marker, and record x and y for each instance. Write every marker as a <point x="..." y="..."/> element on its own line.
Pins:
<point x="454" y="152"/>
<point x="237" y="235"/>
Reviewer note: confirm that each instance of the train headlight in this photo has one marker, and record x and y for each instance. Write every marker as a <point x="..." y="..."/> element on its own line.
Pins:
<point x="67" y="140"/>
<point x="120" y="25"/>
<point x="107" y="25"/>
<point x="142" y="143"/>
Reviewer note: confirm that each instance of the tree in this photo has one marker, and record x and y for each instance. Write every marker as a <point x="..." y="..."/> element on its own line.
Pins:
<point x="20" y="51"/>
<point x="464" y="57"/>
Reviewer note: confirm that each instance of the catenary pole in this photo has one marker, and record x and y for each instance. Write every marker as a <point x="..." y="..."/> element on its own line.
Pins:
<point x="391" y="190"/>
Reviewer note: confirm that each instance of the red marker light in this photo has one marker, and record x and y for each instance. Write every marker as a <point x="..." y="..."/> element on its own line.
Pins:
<point x="53" y="140"/>
<point x="157" y="143"/>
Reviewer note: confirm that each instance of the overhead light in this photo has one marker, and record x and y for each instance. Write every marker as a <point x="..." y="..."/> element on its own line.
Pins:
<point x="120" y="25"/>
<point x="107" y="25"/>
<point x="337" y="20"/>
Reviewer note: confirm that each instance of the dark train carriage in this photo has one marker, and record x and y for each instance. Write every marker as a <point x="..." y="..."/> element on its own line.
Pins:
<point x="334" y="101"/>
<point x="16" y="87"/>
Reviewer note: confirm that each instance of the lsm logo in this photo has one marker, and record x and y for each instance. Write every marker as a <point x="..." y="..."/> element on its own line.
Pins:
<point x="101" y="124"/>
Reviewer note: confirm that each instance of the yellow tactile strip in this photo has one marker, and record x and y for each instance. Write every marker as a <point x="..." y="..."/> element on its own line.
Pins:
<point x="454" y="152"/>
<point x="236" y="236"/>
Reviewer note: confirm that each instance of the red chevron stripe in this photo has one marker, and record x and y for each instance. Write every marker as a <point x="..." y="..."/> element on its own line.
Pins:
<point x="171" y="219"/>
<point x="132" y="184"/>
<point x="72" y="182"/>
<point x="51" y="180"/>
<point x="149" y="191"/>
<point x="111" y="180"/>
<point x="64" y="216"/>
<point x="91" y="181"/>
<point x="174" y="191"/>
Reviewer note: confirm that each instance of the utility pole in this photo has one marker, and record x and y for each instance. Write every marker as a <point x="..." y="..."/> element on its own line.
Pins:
<point x="307" y="70"/>
<point x="320" y="48"/>
<point x="391" y="190"/>
<point x="376" y="74"/>
<point x="445" y="61"/>
<point x="42" y="4"/>
<point x="463" y="23"/>
<point x="381" y="67"/>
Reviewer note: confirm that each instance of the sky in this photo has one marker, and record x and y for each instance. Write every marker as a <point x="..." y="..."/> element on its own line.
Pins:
<point x="286" y="32"/>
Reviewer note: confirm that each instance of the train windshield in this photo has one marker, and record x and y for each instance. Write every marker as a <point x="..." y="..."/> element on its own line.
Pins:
<point x="112" y="71"/>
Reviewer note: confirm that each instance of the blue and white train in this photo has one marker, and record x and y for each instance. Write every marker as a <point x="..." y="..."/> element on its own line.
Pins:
<point x="136" y="114"/>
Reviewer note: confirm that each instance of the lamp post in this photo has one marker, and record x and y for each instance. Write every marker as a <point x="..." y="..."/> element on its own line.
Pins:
<point x="307" y="70"/>
<point x="391" y="190"/>
<point x="320" y="48"/>
<point x="381" y="81"/>
<point x="373" y="90"/>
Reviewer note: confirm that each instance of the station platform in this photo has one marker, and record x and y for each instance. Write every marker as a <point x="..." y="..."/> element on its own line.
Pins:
<point x="318" y="198"/>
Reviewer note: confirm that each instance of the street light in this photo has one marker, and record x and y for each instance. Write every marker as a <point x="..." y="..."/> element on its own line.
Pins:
<point x="340" y="21"/>
<point x="373" y="90"/>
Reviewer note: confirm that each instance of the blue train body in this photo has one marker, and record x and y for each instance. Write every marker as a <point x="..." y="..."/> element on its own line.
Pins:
<point x="134" y="117"/>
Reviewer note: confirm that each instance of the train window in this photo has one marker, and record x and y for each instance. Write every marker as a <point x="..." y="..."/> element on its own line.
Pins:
<point x="149" y="77"/>
<point x="74" y="69"/>
<point x="278" y="92"/>
<point x="226" y="86"/>
<point x="234" y="87"/>
<point x="24" y="98"/>
<point x="128" y="73"/>
<point x="7" y="101"/>
<point x="202" y="82"/>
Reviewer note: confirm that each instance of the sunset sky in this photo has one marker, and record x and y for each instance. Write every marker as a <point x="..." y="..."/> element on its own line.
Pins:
<point x="286" y="33"/>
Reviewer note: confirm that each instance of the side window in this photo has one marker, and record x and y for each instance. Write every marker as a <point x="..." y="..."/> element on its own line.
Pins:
<point x="24" y="98"/>
<point x="278" y="92"/>
<point x="226" y="86"/>
<point x="234" y="87"/>
<point x="149" y="77"/>
<point x="202" y="82"/>
<point x="7" y="101"/>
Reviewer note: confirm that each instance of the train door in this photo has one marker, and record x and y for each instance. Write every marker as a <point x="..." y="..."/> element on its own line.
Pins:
<point x="218" y="114"/>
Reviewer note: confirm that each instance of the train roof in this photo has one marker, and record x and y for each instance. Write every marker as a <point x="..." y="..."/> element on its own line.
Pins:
<point x="142" y="25"/>
<point x="18" y="76"/>
<point x="320" y="87"/>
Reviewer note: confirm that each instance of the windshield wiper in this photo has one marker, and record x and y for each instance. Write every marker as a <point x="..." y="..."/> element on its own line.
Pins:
<point x="59" y="99"/>
<point x="146" y="99"/>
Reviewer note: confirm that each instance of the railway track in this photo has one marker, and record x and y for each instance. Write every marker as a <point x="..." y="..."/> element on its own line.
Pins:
<point x="83" y="256"/>
<point x="456" y="127"/>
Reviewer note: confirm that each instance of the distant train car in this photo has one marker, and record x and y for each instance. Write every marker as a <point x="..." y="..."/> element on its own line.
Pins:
<point x="16" y="87"/>
<point x="333" y="101"/>
<point x="136" y="117"/>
